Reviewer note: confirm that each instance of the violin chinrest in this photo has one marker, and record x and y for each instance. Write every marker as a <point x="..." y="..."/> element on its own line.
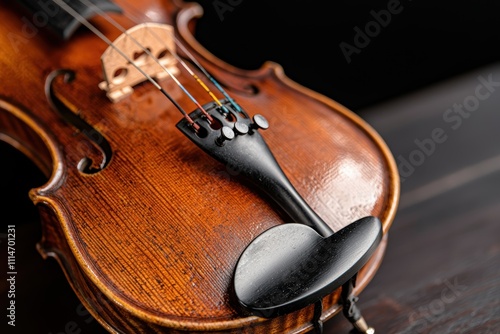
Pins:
<point x="291" y="266"/>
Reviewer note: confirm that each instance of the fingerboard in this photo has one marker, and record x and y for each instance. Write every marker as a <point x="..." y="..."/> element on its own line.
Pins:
<point x="48" y="13"/>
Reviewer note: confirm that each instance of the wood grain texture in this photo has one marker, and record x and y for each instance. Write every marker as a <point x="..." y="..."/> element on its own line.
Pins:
<point x="159" y="230"/>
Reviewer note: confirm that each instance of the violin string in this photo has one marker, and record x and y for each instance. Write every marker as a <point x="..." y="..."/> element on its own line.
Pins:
<point x="108" y="18"/>
<point x="96" y="31"/>
<point x="210" y="77"/>
<point x="188" y="69"/>
<point x="135" y="19"/>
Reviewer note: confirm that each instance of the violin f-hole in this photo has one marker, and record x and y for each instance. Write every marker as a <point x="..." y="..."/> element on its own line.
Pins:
<point x="86" y="164"/>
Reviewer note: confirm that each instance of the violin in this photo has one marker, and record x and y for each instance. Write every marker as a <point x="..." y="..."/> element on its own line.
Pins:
<point x="185" y="194"/>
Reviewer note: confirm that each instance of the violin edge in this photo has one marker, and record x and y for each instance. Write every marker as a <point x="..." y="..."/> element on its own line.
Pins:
<point x="268" y="69"/>
<point x="41" y="196"/>
<point x="191" y="11"/>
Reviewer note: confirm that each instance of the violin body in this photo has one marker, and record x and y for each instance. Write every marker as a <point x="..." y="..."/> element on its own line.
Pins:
<point x="145" y="225"/>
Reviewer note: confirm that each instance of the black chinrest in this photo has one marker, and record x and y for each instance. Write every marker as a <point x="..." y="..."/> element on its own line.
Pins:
<point x="291" y="266"/>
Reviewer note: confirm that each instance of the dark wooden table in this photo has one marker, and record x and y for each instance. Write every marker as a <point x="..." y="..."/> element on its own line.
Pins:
<point x="441" y="272"/>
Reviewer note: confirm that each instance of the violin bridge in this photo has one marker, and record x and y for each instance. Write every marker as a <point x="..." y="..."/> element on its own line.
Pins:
<point x="120" y="76"/>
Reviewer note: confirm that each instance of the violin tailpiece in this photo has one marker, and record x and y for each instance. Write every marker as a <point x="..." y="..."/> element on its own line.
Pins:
<point x="233" y="139"/>
<point x="292" y="265"/>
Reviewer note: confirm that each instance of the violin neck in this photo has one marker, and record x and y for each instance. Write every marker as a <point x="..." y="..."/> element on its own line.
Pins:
<point x="47" y="14"/>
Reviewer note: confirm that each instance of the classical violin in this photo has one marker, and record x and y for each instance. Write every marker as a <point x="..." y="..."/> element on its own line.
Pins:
<point x="193" y="195"/>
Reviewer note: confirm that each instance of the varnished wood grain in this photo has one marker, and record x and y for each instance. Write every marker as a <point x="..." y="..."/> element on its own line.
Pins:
<point x="158" y="232"/>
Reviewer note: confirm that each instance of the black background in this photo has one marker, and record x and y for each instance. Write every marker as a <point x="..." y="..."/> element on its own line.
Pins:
<point x="426" y="42"/>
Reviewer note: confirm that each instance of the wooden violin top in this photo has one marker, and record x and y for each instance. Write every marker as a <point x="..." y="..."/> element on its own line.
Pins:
<point x="150" y="242"/>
